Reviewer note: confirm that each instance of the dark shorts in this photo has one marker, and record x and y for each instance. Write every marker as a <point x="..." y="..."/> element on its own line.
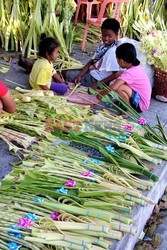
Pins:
<point x="87" y="80"/>
<point x="134" y="101"/>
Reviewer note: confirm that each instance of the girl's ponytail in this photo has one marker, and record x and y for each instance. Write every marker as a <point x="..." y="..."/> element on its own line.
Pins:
<point x="136" y="62"/>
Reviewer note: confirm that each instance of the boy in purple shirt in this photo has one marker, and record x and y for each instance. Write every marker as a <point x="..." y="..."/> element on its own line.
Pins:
<point x="133" y="84"/>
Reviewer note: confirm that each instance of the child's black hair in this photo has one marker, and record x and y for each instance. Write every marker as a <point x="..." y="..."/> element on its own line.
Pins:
<point x="127" y="52"/>
<point x="47" y="45"/>
<point x="111" y="24"/>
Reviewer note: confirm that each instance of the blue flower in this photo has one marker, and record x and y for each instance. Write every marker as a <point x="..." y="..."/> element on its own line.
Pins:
<point x="15" y="227"/>
<point x="62" y="190"/>
<point x="110" y="149"/>
<point x="91" y="181"/>
<point x="121" y="138"/>
<point x="94" y="171"/>
<point x="110" y="137"/>
<point x="139" y="126"/>
<point x="96" y="161"/>
<point x="31" y="216"/>
<point x="16" y="235"/>
<point x="13" y="246"/>
<point x="86" y="161"/>
<point x="108" y="105"/>
<point x="126" y="133"/>
<point x="39" y="199"/>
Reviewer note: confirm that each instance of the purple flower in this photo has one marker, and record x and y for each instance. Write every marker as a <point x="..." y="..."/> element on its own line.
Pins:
<point x="25" y="222"/>
<point x="55" y="215"/>
<point x="128" y="127"/>
<point x="70" y="183"/>
<point x="154" y="51"/>
<point x="142" y="121"/>
<point x="88" y="173"/>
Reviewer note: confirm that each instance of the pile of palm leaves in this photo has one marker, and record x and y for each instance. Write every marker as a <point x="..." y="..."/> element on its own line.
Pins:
<point x="22" y="23"/>
<point x="73" y="189"/>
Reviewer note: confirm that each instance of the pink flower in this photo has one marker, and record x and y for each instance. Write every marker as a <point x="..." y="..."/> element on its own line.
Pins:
<point x="55" y="216"/>
<point x="25" y="222"/>
<point x="153" y="33"/>
<point x="88" y="174"/>
<point x="70" y="183"/>
<point x="142" y="121"/>
<point x="128" y="127"/>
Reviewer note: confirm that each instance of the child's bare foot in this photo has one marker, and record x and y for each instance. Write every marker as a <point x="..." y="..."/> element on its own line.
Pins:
<point x="25" y="63"/>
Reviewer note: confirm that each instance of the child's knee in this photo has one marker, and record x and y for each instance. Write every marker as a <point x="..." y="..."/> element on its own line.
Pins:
<point x="118" y="91"/>
<point x="59" y="88"/>
<point x="64" y="89"/>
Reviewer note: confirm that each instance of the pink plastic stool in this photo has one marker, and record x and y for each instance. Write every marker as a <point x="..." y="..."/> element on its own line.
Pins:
<point x="99" y="20"/>
<point x="88" y="8"/>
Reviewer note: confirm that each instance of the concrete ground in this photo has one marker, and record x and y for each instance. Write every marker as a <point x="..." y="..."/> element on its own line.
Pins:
<point x="14" y="75"/>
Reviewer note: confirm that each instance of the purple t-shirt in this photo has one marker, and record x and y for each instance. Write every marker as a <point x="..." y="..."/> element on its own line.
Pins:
<point x="136" y="78"/>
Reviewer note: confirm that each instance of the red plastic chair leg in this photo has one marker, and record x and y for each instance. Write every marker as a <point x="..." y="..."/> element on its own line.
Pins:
<point x="84" y="37"/>
<point x="77" y="13"/>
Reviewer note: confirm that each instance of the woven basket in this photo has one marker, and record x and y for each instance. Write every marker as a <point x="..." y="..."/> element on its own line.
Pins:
<point x="160" y="82"/>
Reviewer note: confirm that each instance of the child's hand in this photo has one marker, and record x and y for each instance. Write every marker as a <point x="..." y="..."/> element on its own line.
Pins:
<point x="70" y="84"/>
<point x="99" y="97"/>
<point x="78" y="79"/>
<point x="92" y="67"/>
<point x="102" y="93"/>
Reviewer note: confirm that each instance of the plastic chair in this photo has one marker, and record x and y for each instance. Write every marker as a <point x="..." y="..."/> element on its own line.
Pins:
<point x="99" y="20"/>
<point x="88" y="8"/>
